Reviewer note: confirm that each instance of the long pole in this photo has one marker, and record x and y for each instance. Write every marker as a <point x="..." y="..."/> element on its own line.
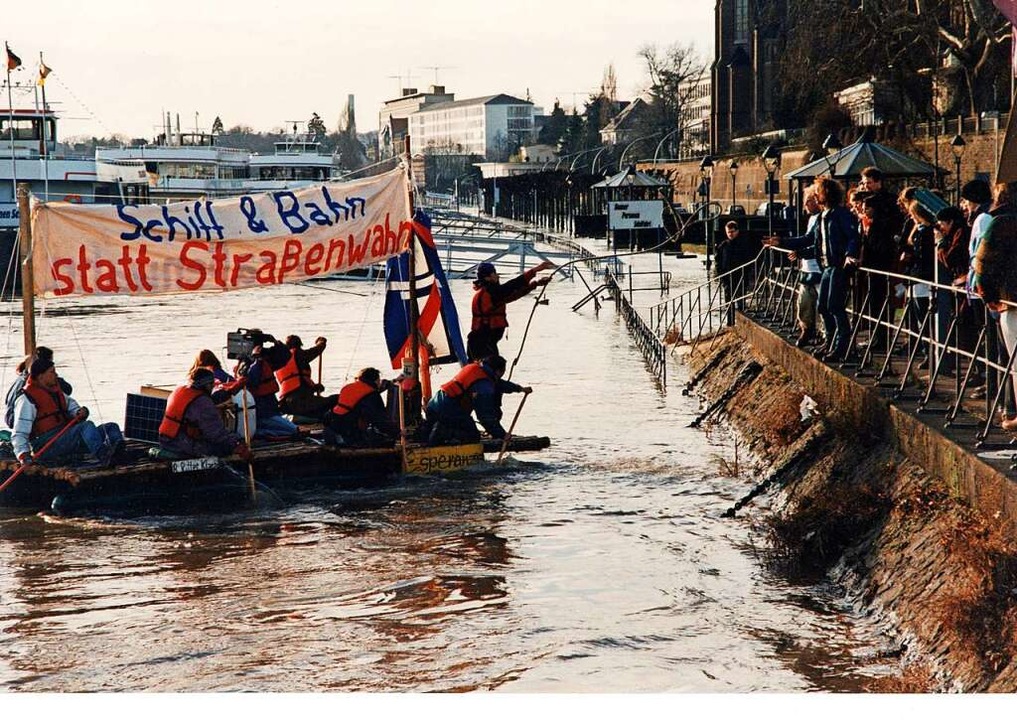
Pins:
<point x="45" y="146"/>
<point x="411" y="265"/>
<point x="10" y="128"/>
<point x="508" y="435"/>
<point x="27" y="279"/>
<point x="769" y="204"/>
<point x="707" y="226"/>
<point x="247" y="439"/>
<point x="49" y="443"/>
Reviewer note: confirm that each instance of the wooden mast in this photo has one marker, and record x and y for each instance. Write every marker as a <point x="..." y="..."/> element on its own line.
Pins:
<point x="412" y="272"/>
<point x="27" y="280"/>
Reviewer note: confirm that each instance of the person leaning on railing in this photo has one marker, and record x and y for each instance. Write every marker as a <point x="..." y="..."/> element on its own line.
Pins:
<point x="834" y="242"/>
<point x="995" y="268"/>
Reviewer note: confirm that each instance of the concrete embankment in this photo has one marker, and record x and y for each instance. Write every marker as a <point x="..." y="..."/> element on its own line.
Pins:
<point x="918" y="531"/>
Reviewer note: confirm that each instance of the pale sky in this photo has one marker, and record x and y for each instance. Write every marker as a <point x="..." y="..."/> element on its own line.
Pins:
<point x="119" y="65"/>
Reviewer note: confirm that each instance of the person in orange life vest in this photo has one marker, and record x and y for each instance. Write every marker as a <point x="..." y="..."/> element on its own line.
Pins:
<point x="261" y="382"/>
<point x="489" y="301"/>
<point x="477" y="387"/>
<point x="19" y="382"/>
<point x="297" y="391"/>
<point x="192" y="426"/>
<point x="359" y="417"/>
<point x="43" y="410"/>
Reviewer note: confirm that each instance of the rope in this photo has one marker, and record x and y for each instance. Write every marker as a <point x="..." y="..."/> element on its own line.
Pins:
<point x="680" y="232"/>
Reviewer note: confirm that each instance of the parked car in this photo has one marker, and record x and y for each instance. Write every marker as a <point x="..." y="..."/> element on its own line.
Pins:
<point x="736" y="210"/>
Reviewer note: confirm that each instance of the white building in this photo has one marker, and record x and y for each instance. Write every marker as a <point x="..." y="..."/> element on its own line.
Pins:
<point x="492" y="127"/>
<point x="393" y="120"/>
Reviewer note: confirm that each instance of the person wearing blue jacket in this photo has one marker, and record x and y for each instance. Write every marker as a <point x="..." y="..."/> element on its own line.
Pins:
<point x="834" y="242"/>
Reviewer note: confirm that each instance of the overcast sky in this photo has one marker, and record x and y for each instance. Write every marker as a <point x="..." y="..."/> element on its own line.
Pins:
<point x="118" y="65"/>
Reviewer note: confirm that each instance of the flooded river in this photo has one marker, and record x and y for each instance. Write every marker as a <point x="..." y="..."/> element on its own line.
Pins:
<point x="600" y="565"/>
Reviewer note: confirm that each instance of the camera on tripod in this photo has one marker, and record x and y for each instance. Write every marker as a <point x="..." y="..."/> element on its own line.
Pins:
<point x="240" y="344"/>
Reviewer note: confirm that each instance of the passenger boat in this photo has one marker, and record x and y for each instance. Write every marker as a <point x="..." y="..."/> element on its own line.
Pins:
<point x="205" y="246"/>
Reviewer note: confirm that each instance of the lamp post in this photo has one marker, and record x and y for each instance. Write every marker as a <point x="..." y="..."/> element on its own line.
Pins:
<point x="706" y="173"/>
<point x="832" y="146"/>
<point x="771" y="161"/>
<point x="733" y="169"/>
<point x="957" y="148"/>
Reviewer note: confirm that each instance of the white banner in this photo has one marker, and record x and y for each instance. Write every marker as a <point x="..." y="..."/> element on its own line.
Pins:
<point x="636" y="215"/>
<point x="201" y="245"/>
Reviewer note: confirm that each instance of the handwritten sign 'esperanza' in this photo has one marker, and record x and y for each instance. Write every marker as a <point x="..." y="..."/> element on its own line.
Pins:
<point x="242" y="242"/>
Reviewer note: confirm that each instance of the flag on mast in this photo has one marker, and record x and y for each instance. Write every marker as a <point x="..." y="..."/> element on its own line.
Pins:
<point x="44" y="70"/>
<point x="13" y="61"/>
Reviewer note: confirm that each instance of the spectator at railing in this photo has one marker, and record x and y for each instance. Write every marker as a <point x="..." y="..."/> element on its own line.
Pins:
<point x="808" y="278"/>
<point x="917" y="259"/>
<point x="976" y="199"/>
<point x="879" y="251"/>
<point x="952" y="261"/>
<point x="995" y="279"/>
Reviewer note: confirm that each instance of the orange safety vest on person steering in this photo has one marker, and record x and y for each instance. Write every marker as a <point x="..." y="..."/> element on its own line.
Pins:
<point x="291" y="377"/>
<point x="464" y="380"/>
<point x="351" y="395"/>
<point x="267" y="385"/>
<point x="487" y="313"/>
<point x="50" y="407"/>
<point x="176" y="407"/>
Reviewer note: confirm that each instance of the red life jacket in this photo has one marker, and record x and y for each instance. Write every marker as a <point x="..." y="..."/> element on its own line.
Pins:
<point x="464" y="380"/>
<point x="351" y="395"/>
<point x="176" y="408"/>
<point x="291" y="377"/>
<point x="50" y="407"/>
<point x="267" y="385"/>
<point x="486" y="313"/>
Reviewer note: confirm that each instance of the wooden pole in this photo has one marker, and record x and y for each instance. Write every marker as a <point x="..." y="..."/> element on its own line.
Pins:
<point x="508" y="435"/>
<point x="247" y="440"/>
<point x="402" y="428"/>
<point x="412" y="279"/>
<point x="27" y="280"/>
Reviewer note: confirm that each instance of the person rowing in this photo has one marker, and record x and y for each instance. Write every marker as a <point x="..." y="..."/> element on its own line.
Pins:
<point x="489" y="301"/>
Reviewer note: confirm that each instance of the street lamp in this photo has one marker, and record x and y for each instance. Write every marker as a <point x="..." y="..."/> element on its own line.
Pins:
<point x="957" y="148"/>
<point x="832" y="146"/>
<point x="706" y="173"/>
<point x="771" y="161"/>
<point x="733" y="169"/>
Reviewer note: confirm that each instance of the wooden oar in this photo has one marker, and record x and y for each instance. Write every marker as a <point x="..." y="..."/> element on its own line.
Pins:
<point x="402" y="427"/>
<point x="508" y="435"/>
<point x="247" y="439"/>
<point x="73" y="421"/>
<point x="319" y="371"/>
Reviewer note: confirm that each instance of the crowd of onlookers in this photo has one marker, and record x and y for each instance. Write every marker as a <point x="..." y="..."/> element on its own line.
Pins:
<point x="946" y="274"/>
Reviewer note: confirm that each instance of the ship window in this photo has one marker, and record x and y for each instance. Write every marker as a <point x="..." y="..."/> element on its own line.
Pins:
<point x="24" y="128"/>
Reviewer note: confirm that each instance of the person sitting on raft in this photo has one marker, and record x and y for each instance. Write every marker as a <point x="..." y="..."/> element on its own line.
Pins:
<point x="225" y="386"/>
<point x="298" y="393"/>
<point x="263" y="386"/>
<point x="477" y="387"/>
<point x="18" y="385"/>
<point x="359" y="418"/>
<point x="192" y="425"/>
<point x="43" y="410"/>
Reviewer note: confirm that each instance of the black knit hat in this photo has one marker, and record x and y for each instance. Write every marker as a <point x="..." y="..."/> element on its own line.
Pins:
<point x="976" y="191"/>
<point x="39" y="366"/>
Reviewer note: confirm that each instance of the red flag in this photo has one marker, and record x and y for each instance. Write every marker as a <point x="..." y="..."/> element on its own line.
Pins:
<point x="13" y="61"/>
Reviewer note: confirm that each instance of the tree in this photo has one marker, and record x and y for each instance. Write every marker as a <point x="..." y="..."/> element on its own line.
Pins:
<point x="672" y="75"/>
<point x="316" y="126"/>
<point x="555" y="127"/>
<point x="217" y="126"/>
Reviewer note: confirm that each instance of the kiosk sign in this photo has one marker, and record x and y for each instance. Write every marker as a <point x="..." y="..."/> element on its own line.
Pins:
<point x="636" y="215"/>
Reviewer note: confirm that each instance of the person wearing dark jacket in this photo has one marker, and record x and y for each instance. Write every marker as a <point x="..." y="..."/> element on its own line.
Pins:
<point x="477" y="387"/>
<point x="879" y="249"/>
<point x="489" y="301"/>
<point x="192" y="425"/>
<point x="834" y="242"/>
<point x="359" y="418"/>
<point x="261" y="381"/>
<point x="298" y="393"/>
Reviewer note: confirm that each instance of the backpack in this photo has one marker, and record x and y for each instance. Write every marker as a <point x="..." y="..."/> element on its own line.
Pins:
<point x="12" y="397"/>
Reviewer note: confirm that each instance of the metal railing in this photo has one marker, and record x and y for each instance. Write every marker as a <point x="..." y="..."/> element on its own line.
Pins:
<point x="921" y="341"/>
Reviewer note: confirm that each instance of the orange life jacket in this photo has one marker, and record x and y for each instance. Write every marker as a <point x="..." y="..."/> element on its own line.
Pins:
<point x="50" y="407"/>
<point x="176" y="408"/>
<point x="351" y="395"/>
<point x="464" y="380"/>
<point x="267" y="385"/>
<point x="291" y="377"/>
<point x="487" y="313"/>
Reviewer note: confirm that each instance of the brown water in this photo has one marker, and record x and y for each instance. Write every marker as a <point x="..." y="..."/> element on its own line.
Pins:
<point x="600" y="565"/>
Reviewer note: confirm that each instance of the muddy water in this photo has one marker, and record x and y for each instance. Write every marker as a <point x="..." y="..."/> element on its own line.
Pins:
<point x="600" y="565"/>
